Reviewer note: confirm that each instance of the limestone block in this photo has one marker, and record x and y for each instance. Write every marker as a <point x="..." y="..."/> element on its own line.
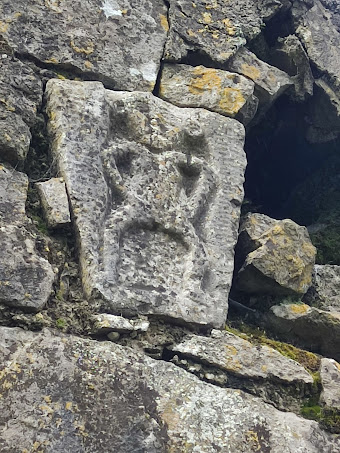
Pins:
<point x="270" y="82"/>
<point x="54" y="202"/>
<point x="325" y="289"/>
<point x="74" y="394"/>
<point x="279" y="256"/>
<point x="215" y="28"/>
<point x="155" y="192"/>
<point x="118" y="41"/>
<point x="25" y="277"/>
<point x="330" y="381"/>
<point x="105" y="323"/>
<point x="238" y="356"/>
<point x="219" y="91"/>
<point x="314" y="329"/>
<point x="20" y="97"/>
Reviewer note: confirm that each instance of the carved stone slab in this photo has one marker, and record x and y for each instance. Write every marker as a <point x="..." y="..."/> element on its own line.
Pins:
<point x="155" y="192"/>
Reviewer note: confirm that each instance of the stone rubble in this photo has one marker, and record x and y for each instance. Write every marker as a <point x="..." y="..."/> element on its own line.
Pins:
<point x="54" y="202"/>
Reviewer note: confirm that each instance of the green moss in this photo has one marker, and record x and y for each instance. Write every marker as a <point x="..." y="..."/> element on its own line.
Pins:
<point x="328" y="418"/>
<point x="39" y="223"/>
<point x="61" y="323"/>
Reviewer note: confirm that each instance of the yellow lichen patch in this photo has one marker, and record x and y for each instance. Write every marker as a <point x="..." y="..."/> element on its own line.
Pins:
<point x="230" y="349"/>
<point x="212" y="5"/>
<point x="264" y="368"/>
<point x="299" y="308"/>
<point x="191" y="33"/>
<point x="86" y="50"/>
<point x="3" y="26"/>
<point x="253" y="438"/>
<point x="68" y="406"/>
<point x="231" y="101"/>
<point x="7" y="105"/>
<point x="205" y="79"/>
<point x="206" y="18"/>
<point x="250" y="71"/>
<point x="52" y="61"/>
<point x="170" y="416"/>
<point x="229" y="27"/>
<point x="164" y="22"/>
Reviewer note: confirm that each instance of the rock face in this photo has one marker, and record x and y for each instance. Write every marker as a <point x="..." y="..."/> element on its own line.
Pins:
<point x="25" y="277"/>
<point x="119" y="42"/>
<point x="316" y="329"/>
<point x="215" y="28"/>
<point x="20" y="97"/>
<point x="325" y="289"/>
<point x="52" y="386"/>
<point x="330" y="380"/>
<point x="155" y="194"/>
<point x="258" y="369"/>
<point x="220" y="91"/>
<point x="279" y="256"/>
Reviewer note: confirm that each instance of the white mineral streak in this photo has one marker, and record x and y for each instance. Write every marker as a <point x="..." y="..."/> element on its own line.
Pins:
<point x="111" y="8"/>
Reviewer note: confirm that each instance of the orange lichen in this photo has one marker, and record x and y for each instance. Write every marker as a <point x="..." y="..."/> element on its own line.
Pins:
<point x="231" y="101"/>
<point x="205" y="79"/>
<point x="250" y="71"/>
<point x="299" y="308"/>
<point x="164" y="22"/>
<point x="229" y="27"/>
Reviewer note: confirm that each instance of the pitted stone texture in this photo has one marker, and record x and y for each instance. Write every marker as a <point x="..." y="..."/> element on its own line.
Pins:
<point x="279" y="256"/>
<point x="314" y="329"/>
<point x="118" y="41"/>
<point x="106" y="323"/>
<point x="112" y="399"/>
<point x="330" y="381"/>
<point x="291" y="57"/>
<point x="215" y="28"/>
<point x="325" y="289"/>
<point x="25" y="277"/>
<point x="155" y="192"/>
<point x="54" y="202"/>
<point x="270" y="82"/>
<point x="220" y="91"/>
<point x="234" y="354"/>
<point x="20" y="97"/>
<point x="13" y="194"/>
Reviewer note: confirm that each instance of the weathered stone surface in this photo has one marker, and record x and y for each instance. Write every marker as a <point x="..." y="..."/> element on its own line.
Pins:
<point x="71" y="394"/>
<point x="316" y="330"/>
<point x="279" y="256"/>
<point x="215" y="28"/>
<point x="270" y="82"/>
<point x="258" y="369"/>
<point x="54" y="202"/>
<point x="330" y="381"/>
<point x="325" y="289"/>
<point x="321" y="39"/>
<point x="291" y="57"/>
<point x="220" y="91"/>
<point x="105" y="323"/>
<point x="118" y="41"/>
<point x="20" y="97"/>
<point x="25" y="277"/>
<point x="155" y="192"/>
<point x="232" y="353"/>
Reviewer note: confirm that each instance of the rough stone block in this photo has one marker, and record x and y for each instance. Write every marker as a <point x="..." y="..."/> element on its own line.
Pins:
<point x="74" y="394"/>
<point x="106" y="323"/>
<point x="330" y="381"/>
<point x="25" y="277"/>
<point x="325" y="289"/>
<point x="54" y="202"/>
<point x="155" y="192"/>
<point x="279" y="256"/>
<point x="219" y="91"/>
<point x="118" y="41"/>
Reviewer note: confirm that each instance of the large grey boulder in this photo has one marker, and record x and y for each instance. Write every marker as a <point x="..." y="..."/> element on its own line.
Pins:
<point x="25" y="277"/>
<point x="20" y="98"/>
<point x="216" y="29"/>
<point x="155" y="192"/>
<point x="259" y="369"/>
<point x="219" y="91"/>
<point x="120" y="42"/>
<point x="279" y="256"/>
<point x="314" y="329"/>
<point x="71" y="394"/>
<point x="330" y="381"/>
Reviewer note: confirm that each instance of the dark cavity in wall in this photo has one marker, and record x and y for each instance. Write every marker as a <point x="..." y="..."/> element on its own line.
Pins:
<point x="289" y="177"/>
